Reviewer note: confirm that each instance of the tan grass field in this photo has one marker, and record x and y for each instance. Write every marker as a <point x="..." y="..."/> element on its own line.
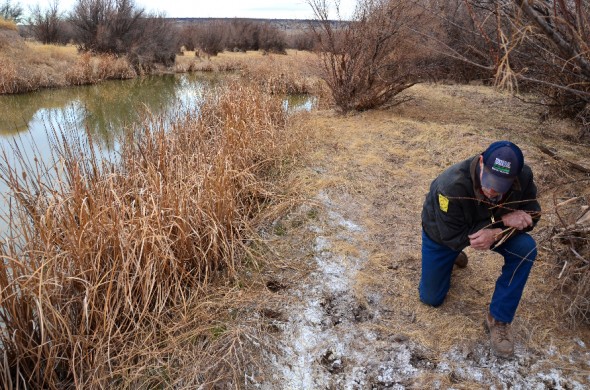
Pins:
<point x="377" y="166"/>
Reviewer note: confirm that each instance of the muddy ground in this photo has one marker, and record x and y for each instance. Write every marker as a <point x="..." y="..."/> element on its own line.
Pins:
<point x="346" y="313"/>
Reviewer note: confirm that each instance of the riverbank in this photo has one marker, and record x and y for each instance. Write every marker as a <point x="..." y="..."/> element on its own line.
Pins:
<point x="135" y="272"/>
<point x="30" y="66"/>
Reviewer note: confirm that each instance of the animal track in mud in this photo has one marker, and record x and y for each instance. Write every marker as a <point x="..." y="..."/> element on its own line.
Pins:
<point x="362" y="314"/>
<point x="331" y="362"/>
<point x="342" y="308"/>
<point x="275" y="286"/>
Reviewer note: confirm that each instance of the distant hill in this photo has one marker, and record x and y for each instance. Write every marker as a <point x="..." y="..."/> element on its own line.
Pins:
<point x="281" y="24"/>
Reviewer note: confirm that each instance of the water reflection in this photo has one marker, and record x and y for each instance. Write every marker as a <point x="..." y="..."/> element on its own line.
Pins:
<point x="105" y="109"/>
<point x="30" y="123"/>
<point x="296" y="103"/>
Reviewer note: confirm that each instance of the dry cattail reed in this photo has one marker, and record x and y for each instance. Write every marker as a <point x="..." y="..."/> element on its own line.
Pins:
<point x="104" y="260"/>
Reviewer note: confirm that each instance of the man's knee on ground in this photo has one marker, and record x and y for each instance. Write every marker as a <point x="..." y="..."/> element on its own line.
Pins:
<point x="431" y="299"/>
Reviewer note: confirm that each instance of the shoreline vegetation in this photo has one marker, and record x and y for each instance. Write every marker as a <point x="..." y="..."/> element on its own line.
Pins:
<point x="27" y="66"/>
<point x="129" y="274"/>
<point x="112" y="270"/>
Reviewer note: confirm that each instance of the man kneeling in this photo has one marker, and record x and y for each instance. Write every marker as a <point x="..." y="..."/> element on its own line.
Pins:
<point x="487" y="202"/>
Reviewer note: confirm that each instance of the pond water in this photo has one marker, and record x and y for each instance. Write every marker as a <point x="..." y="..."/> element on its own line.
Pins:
<point x="103" y="110"/>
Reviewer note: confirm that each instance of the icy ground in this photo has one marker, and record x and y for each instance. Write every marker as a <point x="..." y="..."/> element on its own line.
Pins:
<point x="330" y="340"/>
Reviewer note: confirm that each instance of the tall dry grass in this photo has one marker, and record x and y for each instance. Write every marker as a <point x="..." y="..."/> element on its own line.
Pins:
<point x="26" y="67"/>
<point x="89" y="69"/>
<point x="291" y="74"/>
<point x="8" y="24"/>
<point x="119" y="273"/>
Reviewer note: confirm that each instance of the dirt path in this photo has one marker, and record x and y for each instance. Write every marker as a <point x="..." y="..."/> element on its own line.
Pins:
<point x="354" y="321"/>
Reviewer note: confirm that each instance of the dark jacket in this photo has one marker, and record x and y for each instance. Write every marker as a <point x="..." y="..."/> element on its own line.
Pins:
<point x="455" y="207"/>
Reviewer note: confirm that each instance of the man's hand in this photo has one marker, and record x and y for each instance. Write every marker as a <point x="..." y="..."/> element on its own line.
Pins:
<point x="483" y="239"/>
<point x="517" y="219"/>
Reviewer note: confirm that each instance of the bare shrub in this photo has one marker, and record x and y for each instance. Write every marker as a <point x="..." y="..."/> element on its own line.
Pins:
<point x="9" y="11"/>
<point x="122" y="274"/>
<point x="210" y="38"/>
<point x="154" y="41"/>
<point x="301" y="40"/>
<point x="368" y="61"/>
<point x="459" y="40"/>
<point x="570" y="244"/>
<point x="242" y="35"/>
<point x="188" y="37"/>
<point x="540" y="46"/>
<point x="271" y="39"/>
<point x="120" y="27"/>
<point x="46" y="24"/>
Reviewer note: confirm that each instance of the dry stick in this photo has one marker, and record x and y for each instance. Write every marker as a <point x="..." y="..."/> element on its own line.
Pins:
<point x="562" y="270"/>
<point x="509" y="230"/>
<point x="505" y="237"/>
<point x="561" y="219"/>
<point x="553" y="154"/>
<point x="525" y="258"/>
<point x="578" y="255"/>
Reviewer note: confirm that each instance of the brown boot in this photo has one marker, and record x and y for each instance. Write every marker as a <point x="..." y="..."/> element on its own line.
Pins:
<point x="461" y="260"/>
<point x="500" y="335"/>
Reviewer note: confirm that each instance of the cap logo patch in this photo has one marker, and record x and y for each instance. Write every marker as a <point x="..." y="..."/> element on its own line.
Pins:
<point x="501" y="166"/>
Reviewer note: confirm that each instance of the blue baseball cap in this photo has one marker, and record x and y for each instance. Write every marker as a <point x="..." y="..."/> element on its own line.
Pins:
<point x="502" y="162"/>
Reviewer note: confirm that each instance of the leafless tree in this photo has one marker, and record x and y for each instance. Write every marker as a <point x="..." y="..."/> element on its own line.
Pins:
<point x="11" y="11"/>
<point x="154" y="40"/>
<point x="46" y="24"/>
<point x="105" y="25"/>
<point x="120" y="27"/>
<point x="367" y="61"/>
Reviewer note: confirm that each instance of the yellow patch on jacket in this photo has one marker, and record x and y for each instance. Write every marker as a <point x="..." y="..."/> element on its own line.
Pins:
<point x="443" y="202"/>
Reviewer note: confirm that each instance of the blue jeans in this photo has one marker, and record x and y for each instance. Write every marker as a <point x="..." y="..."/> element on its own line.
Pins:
<point x="519" y="253"/>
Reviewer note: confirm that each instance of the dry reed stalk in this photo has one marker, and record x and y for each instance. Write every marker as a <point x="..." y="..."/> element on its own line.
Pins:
<point x="282" y="75"/>
<point x="102" y="259"/>
<point x="8" y="77"/>
<point x="109" y="67"/>
<point x="81" y="72"/>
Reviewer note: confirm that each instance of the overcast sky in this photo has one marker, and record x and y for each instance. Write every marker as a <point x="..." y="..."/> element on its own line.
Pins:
<point x="266" y="9"/>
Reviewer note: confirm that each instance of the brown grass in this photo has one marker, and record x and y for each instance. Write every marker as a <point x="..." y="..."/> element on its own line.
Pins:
<point x="90" y="69"/>
<point x="7" y="24"/>
<point x="294" y="73"/>
<point x="126" y="274"/>
<point x="378" y="165"/>
<point x="30" y="66"/>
